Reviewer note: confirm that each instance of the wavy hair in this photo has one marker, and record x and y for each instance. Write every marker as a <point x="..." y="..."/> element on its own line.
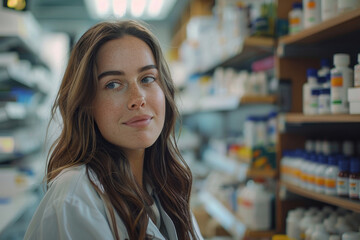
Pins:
<point x="80" y="141"/>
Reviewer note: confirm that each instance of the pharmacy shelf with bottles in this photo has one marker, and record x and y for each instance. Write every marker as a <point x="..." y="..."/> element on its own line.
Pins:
<point x="312" y="122"/>
<point x="25" y="85"/>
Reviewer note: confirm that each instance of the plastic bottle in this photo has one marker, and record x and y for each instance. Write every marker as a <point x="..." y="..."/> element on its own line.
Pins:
<point x="342" y="226"/>
<point x="261" y="131"/>
<point x="296" y="18"/>
<point x="331" y="174"/>
<point x="342" y="181"/>
<point x="324" y="101"/>
<point x="347" y="5"/>
<point x="319" y="233"/>
<point x="314" y="102"/>
<point x="354" y="179"/>
<point x="292" y="224"/>
<point x="348" y="148"/>
<point x="320" y="174"/>
<point x="328" y="9"/>
<point x="312" y="13"/>
<point x="329" y="223"/>
<point x="255" y="207"/>
<point x="312" y="83"/>
<point x="250" y="131"/>
<point x="341" y="80"/>
<point x="357" y="73"/>
<point x="304" y="170"/>
<point x="326" y="147"/>
<point x="311" y="185"/>
<point x="272" y="128"/>
<point x="351" y="236"/>
<point x="324" y="68"/>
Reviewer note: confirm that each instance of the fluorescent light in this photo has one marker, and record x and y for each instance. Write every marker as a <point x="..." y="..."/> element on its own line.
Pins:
<point x="138" y="7"/>
<point x="155" y="7"/>
<point x="119" y="7"/>
<point x="98" y="8"/>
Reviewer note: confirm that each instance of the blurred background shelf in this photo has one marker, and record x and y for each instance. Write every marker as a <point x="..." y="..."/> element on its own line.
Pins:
<point x="14" y="208"/>
<point x="333" y="118"/>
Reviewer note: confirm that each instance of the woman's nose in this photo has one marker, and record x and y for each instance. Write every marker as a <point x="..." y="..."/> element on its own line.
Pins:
<point x="136" y="98"/>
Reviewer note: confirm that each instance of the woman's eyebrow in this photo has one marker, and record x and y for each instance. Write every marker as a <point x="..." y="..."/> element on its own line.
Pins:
<point x="110" y="73"/>
<point x="117" y="72"/>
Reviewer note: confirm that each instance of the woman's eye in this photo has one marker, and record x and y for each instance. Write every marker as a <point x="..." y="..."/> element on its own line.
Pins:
<point x="112" y="85"/>
<point x="148" y="80"/>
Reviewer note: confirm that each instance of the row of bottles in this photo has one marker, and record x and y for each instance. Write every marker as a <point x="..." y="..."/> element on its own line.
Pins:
<point x="326" y="90"/>
<point x="322" y="224"/>
<point x="322" y="170"/>
<point x="308" y="13"/>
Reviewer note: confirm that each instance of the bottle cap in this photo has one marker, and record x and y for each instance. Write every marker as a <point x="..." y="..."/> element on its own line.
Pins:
<point x="322" y="80"/>
<point x="354" y="165"/>
<point x="324" y="62"/>
<point x="344" y="165"/>
<point x="322" y="159"/>
<point x="341" y="59"/>
<point x="333" y="160"/>
<point x="312" y="72"/>
<point x="297" y="5"/>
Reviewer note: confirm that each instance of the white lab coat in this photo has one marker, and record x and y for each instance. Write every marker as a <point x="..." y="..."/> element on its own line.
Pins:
<point x="72" y="209"/>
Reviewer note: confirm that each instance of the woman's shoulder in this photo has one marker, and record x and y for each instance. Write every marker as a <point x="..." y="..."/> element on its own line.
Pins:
<point x="71" y="186"/>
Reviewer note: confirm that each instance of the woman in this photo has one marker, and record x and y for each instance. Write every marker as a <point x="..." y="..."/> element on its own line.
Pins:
<point x="115" y="171"/>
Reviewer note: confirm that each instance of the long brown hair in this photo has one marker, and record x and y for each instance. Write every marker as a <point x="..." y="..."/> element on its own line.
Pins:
<point x="80" y="141"/>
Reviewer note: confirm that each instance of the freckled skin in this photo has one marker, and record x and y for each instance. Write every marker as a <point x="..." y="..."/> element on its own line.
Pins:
<point x="134" y="92"/>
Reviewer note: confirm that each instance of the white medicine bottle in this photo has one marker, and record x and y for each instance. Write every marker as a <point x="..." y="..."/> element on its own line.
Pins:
<point x="296" y="18"/>
<point x="312" y="13"/>
<point x="341" y="80"/>
<point x="311" y="84"/>
<point x="328" y="9"/>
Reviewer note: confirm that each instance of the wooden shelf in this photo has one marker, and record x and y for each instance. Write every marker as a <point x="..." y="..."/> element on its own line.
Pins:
<point x="261" y="42"/>
<point x="333" y="200"/>
<point x="261" y="173"/>
<point x="259" y="234"/>
<point x="345" y="23"/>
<point x="301" y="118"/>
<point x="248" y="99"/>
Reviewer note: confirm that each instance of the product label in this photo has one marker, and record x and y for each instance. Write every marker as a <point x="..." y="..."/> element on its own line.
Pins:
<point x="294" y="21"/>
<point x="311" y="179"/>
<point x="342" y="186"/>
<point x="311" y="4"/>
<point x="336" y="80"/>
<point x="330" y="183"/>
<point x="354" y="188"/>
<point x="320" y="182"/>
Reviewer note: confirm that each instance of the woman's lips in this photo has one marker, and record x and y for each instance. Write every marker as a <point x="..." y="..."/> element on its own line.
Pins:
<point x="139" y="121"/>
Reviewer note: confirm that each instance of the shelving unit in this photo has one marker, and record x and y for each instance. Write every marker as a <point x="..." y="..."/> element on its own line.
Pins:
<point x="25" y="83"/>
<point x="295" y="54"/>
<point x="333" y="200"/>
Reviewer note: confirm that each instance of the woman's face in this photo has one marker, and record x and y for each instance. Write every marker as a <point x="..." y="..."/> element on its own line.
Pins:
<point x="129" y="107"/>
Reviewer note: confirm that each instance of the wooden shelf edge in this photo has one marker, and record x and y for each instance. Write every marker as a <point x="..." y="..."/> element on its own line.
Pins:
<point x="333" y="200"/>
<point x="260" y="42"/>
<point x="251" y="99"/>
<point x="258" y="173"/>
<point x="321" y="27"/>
<point x="330" y="118"/>
<point x="259" y="234"/>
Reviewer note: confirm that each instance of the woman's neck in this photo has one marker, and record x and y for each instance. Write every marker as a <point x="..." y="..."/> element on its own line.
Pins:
<point x="136" y="160"/>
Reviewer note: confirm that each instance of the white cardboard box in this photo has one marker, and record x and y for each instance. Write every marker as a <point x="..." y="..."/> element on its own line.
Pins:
<point x="354" y="107"/>
<point x="354" y="94"/>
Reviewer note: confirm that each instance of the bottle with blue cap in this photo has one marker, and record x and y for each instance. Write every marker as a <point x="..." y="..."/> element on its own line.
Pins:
<point x="354" y="178"/>
<point x="296" y="18"/>
<point x="311" y="84"/>
<point x="331" y="173"/>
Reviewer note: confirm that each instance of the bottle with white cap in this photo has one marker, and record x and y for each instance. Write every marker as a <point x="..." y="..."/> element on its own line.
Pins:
<point x="357" y="73"/>
<point x="341" y="79"/>
<point x="342" y="226"/>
